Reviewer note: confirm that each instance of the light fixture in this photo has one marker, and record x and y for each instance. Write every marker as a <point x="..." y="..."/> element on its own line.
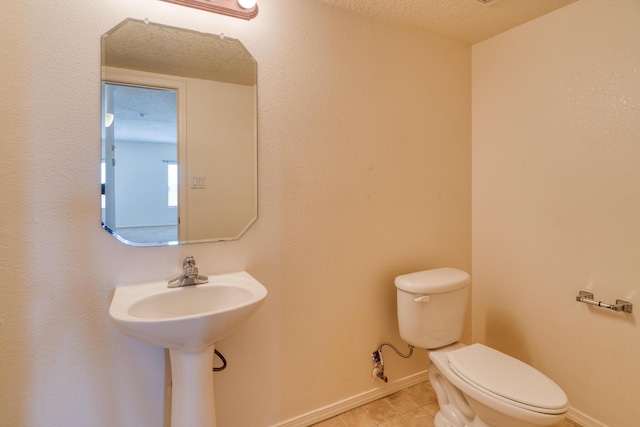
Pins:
<point x="108" y="119"/>
<point x="247" y="4"/>
<point x="243" y="9"/>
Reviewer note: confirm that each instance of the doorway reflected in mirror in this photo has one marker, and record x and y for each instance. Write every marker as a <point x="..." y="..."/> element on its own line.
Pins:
<point x="140" y="163"/>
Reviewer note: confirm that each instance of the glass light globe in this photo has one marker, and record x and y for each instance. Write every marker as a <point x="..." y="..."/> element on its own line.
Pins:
<point x="247" y="4"/>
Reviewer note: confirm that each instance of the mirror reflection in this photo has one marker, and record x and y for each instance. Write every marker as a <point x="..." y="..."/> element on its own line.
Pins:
<point x="178" y="135"/>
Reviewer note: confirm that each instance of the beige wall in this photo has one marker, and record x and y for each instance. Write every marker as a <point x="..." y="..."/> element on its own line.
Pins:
<point x="221" y="136"/>
<point x="556" y="200"/>
<point x="364" y="174"/>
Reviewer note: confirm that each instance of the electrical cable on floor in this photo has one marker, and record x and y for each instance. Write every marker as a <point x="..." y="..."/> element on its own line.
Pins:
<point x="224" y="361"/>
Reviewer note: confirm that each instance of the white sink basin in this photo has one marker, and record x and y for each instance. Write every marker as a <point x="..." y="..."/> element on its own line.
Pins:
<point x="189" y="318"/>
<point x="188" y="321"/>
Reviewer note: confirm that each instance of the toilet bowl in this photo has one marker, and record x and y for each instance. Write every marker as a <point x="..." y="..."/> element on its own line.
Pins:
<point x="476" y="386"/>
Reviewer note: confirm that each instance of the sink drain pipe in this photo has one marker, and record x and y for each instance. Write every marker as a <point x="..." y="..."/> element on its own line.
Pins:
<point x="378" y="361"/>
<point x="224" y="362"/>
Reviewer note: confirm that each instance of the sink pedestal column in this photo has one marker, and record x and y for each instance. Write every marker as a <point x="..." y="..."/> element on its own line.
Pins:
<point x="192" y="403"/>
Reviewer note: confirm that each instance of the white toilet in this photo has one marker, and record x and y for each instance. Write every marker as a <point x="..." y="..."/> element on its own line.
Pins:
<point x="476" y="385"/>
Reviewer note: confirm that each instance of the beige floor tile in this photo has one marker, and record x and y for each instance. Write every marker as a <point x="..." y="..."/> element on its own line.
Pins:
<point x="356" y="418"/>
<point x="419" y="418"/>
<point x="395" y="422"/>
<point x="402" y="402"/>
<point x="413" y="407"/>
<point x="380" y="411"/>
<point x="331" y="422"/>
<point x="432" y="408"/>
<point x="422" y="393"/>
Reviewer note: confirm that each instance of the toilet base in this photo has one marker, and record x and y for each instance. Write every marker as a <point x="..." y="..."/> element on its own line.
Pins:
<point x="455" y="411"/>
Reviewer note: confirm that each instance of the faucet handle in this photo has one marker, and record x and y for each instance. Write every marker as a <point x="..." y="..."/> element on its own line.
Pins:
<point x="189" y="267"/>
<point x="189" y="275"/>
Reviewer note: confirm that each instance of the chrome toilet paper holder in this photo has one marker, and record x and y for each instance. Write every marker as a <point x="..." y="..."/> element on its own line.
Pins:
<point x="620" y="305"/>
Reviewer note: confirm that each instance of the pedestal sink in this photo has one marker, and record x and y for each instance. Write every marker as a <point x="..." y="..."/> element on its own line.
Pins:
<point x="188" y="321"/>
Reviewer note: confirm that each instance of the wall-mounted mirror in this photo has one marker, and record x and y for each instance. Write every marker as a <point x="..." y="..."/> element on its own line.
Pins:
<point x="179" y="137"/>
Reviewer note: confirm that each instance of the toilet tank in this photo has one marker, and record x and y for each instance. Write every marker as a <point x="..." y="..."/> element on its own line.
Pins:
<point x="432" y="306"/>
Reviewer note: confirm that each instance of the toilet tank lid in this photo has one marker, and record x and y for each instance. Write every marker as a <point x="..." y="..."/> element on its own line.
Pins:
<point x="433" y="281"/>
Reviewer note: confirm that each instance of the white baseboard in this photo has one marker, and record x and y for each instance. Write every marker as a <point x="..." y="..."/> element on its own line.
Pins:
<point x="358" y="400"/>
<point x="583" y="419"/>
<point x="353" y="402"/>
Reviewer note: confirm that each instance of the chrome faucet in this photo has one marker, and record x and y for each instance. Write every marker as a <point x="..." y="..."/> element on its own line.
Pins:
<point x="189" y="275"/>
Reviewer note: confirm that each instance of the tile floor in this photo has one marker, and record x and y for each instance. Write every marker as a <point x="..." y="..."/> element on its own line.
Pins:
<point x="413" y="407"/>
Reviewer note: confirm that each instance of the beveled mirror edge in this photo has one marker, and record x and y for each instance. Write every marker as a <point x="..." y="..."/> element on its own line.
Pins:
<point x="141" y="244"/>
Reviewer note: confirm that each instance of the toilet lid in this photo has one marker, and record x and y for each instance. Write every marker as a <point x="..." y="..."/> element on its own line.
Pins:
<point x="497" y="373"/>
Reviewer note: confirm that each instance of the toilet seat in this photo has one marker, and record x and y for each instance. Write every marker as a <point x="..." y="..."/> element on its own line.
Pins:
<point x="507" y="379"/>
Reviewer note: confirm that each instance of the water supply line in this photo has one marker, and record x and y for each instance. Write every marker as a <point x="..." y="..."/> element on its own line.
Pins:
<point x="378" y="361"/>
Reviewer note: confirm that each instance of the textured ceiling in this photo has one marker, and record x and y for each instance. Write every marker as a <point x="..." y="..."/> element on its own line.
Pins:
<point x="469" y="21"/>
